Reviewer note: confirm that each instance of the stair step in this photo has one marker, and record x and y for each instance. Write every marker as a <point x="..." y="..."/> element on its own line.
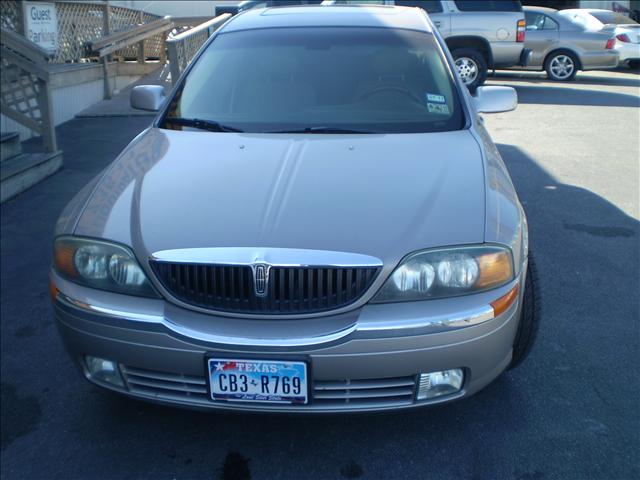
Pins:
<point x="10" y="145"/>
<point x="25" y="170"/>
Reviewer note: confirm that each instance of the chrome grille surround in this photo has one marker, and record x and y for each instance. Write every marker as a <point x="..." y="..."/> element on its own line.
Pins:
<point x="265" y="281"/>
<point x="326" y="395"/>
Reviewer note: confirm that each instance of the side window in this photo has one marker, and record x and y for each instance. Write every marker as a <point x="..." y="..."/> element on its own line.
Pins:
<point x="429" y="6"/>
<point x="535" y="21"/>
<point x="489" y="5"/>
<point x="550" y="24"/>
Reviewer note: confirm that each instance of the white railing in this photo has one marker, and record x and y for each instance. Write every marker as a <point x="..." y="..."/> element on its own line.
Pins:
<point x="25" y="96"/>
<point x="183" y="47"/>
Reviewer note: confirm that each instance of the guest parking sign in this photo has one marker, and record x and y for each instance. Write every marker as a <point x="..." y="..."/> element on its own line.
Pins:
<point x="41" y="25"/>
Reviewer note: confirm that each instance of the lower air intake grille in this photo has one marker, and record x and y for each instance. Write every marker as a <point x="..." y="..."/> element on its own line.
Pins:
<point x="327" y="394"/>
<point x="286" y="290"/>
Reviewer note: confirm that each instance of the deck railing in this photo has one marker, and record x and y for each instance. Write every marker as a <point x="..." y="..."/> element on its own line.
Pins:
<point x="81" y="23"/>
<point x="184" y="46"/>
<point x="25" y="96"/>
<point x="105" y="46"/>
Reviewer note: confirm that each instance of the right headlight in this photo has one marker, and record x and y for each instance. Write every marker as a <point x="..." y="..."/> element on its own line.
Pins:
<point x="100" y="264"/>
<point x="447" y="273"/>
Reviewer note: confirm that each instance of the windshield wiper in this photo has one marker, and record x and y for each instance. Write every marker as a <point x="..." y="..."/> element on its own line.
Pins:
<point x="210" y="125"/>
<point x="326" y="130"/>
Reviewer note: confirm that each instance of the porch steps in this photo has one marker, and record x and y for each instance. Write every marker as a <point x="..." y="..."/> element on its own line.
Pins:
<point x="19" y="171"/>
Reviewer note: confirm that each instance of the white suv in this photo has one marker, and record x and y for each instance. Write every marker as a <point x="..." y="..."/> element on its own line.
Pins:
<point x="480" y="34"/>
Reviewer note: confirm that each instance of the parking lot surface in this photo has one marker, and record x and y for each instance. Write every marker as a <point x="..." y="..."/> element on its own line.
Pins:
<point x="569" y="412"/>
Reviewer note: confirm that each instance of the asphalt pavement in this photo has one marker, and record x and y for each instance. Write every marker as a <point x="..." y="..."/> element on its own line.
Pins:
<point x="571" y="411"/>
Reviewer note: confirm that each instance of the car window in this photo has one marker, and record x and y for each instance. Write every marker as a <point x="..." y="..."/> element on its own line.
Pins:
<point x="613" y="18"/>
<point x="535" y="20"/>
<point x="550" y="23"/>
<point x="378" y="80"/>
<point x="489" y="5"/>
<point x="430" y="6"/>
<point x="583" y="20"/>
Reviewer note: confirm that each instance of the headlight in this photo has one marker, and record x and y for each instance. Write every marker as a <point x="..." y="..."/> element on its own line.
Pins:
<point x="102" y="265"/>
<point x="447" y="273"/>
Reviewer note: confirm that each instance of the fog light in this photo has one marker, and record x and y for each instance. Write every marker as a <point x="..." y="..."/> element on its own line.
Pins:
<point x="436" y="384"/>
<point x="104" y="371"/>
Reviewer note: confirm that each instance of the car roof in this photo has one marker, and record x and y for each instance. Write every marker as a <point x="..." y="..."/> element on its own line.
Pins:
<point x="587" y="10"/>
<point x="385" y="16"/>
<point x="539" y="9"/>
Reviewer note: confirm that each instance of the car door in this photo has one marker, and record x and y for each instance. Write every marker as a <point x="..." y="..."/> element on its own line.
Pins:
<point x="542" y="36"/>
<point x="436" y="10"/>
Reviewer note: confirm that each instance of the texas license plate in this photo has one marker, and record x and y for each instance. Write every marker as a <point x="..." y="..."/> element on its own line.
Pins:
<point x="260" y="381"/>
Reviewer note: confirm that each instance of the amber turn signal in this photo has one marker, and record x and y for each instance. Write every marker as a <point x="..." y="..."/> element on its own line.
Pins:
<point x="495" y="269"/>
<point x="53" y="290"/>
<point x="63" y="259"/>
<point x="504" y="302"/>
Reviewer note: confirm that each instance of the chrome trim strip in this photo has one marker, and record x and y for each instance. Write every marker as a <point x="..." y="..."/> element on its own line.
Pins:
<point x="282" y="257"/>
<point x="137" y="317"/>
<point x="464" y="319"/>
<point x="260" y="342"/>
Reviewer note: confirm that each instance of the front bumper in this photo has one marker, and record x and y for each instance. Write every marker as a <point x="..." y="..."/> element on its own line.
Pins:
<point x="161" y="357"/>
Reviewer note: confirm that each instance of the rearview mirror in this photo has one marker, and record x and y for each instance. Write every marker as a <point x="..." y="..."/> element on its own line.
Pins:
<point x="147" y="97"/>
<point x="495" y="99"/>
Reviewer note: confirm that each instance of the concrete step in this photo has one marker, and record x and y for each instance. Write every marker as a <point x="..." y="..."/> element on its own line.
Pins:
<point x="25" y="170"/>
<point x="10" y="145"/>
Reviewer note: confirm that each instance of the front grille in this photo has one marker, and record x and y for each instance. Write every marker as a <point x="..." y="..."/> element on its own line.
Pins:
<point x="327" y="394"/>
<point x="290" y="290"/>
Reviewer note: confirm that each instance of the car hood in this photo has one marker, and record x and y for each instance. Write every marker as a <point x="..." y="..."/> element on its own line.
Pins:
<point x="379" y="195"/>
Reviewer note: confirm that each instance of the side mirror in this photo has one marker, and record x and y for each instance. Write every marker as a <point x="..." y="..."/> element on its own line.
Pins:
<point x="147" y="97"/>
<point x="495" y="99"/>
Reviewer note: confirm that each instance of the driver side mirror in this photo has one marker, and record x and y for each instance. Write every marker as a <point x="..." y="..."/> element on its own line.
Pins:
<point x="495" y="99"/>
<point x="147" y="97"/>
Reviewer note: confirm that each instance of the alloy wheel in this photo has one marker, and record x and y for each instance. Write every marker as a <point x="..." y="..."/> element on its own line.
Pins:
<point x="562" y="66"/>
<point x="468" y="69"/>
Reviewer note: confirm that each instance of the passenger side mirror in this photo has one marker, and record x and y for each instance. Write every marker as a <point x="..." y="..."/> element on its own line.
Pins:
<point x="147" y="97"/>
<point x="495" y="99"/>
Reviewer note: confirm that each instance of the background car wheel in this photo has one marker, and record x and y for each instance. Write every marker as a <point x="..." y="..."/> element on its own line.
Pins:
<point x="634" y="64"/>
<point x="471" y="66"/>
<point x="529" y="316"/>
<point x="561" y="66"/>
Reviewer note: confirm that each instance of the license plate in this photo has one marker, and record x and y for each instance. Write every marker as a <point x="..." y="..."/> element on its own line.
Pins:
<point x="260" y="381"/>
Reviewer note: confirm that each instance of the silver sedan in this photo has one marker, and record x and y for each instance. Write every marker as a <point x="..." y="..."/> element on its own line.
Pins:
<point x="316" y="221"/>
<point x="562" y="47"/>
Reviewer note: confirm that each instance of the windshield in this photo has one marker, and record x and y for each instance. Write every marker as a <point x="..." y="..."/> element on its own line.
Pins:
<point x="333" y="80"/>
<point x="613" y="18"/>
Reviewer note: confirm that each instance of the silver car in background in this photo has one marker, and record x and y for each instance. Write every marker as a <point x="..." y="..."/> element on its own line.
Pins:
<point x="562" y="47"/>
<point x="316" y="221"/>
<point x="625" y="29"/>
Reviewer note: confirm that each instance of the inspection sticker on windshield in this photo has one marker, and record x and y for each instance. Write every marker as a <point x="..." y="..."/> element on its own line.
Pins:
<point x="438" y="108"/>
<point x="260" y="381"/>
<point x="432" y="97"/>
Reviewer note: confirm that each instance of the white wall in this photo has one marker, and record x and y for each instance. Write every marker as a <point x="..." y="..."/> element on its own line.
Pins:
<point x="175" y="8"/>
<point x="67" y="102"/>
<point x="605" y="4"/>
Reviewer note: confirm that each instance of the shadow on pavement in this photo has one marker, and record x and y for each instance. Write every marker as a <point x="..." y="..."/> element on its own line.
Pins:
<point x="546" y="95"/>
<point x="581" y="79"/>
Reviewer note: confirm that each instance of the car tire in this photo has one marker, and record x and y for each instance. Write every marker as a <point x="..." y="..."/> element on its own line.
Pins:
<point x="529" y="316"/>
<point x="471" y="66"/>
<point x="561" y="66"/>
<point x="634" y="64"/>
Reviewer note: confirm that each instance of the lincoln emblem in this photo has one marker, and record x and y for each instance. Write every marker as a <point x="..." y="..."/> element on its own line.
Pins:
<point x="261" y="279"/>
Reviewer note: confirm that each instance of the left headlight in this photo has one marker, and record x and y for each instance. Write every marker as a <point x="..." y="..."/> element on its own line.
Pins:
<point x="102" y="265"/>
<point x="447" y="273"/>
